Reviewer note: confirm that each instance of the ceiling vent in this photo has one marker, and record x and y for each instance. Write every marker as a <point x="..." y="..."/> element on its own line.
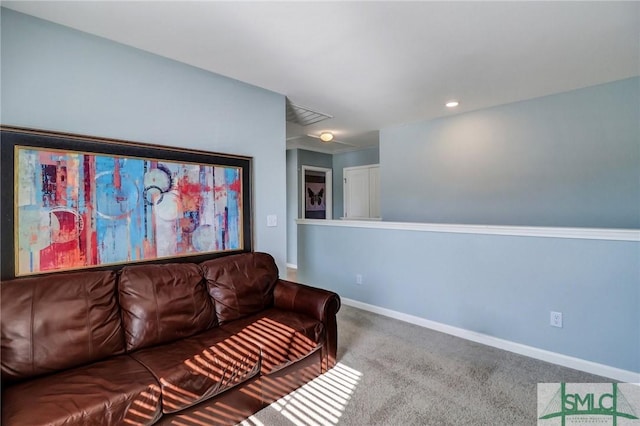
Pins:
<point x="304" y="116"/>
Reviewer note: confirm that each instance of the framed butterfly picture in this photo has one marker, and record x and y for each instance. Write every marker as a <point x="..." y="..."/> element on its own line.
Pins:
<point x="317" y="192"/>
<point x="316" y="197"/>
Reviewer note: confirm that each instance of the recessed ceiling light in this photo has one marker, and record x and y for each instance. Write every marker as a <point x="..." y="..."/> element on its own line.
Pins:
<point x="452" y="104"/>
<point x="326" y="136"/>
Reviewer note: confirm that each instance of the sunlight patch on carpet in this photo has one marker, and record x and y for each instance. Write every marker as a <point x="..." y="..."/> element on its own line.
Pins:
<point x="319" y="402"/>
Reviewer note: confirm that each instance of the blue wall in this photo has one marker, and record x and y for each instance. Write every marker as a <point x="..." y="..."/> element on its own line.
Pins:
<point x="501" y="286"/>
<point x="567" y="160"/>
<point x="311" y="158"/>
<point x="570" y="159"/>
<point x="292" y="206"/>
<point x="296" y="158"/>
<point x="56" y="78"/>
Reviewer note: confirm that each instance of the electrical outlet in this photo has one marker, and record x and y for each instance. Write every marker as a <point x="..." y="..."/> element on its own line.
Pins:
<point x="556" y="319"/>
<point x="359" y="279"/>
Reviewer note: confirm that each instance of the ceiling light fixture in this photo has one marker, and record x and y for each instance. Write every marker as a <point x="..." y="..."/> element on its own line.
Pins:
<point x="452" y="104"/>
<point x="326" y="136"/>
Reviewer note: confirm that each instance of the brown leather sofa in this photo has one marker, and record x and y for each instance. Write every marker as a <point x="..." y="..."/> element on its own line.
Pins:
<point x="180" y="343"/>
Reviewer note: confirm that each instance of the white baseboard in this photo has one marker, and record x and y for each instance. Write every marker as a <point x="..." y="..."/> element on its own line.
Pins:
<point x="507" y="345"/>
<point x="292" y="266"/>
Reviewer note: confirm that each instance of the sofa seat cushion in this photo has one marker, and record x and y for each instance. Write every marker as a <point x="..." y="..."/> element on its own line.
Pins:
<point x="111" y="392"/>
<point x="283" y="336"/>
<point x="199" y="367"/>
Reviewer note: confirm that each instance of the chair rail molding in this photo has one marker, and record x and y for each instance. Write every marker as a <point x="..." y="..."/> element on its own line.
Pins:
<point x="612" y="234"/>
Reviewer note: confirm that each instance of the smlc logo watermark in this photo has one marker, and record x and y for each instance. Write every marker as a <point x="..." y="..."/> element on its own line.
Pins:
<point x="616" y="404"/>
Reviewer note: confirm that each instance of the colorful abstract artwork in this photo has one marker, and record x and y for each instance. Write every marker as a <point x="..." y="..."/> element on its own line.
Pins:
<point x="78" y="209"/>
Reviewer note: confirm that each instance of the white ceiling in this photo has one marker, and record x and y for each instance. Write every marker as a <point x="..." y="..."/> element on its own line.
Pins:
<point x="371" y="65"/>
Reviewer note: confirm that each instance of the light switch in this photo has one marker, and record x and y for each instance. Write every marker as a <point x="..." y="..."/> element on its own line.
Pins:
<point x="272" y="220"/>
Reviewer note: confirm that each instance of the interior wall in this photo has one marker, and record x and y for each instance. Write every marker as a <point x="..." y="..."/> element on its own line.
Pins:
<point x="57" y="78"/>
<point x="361" y="157"/>
<point x="500" y="286"/>
<point x="570" y="159"/>
<point x="296" y="158"/>
<point x="292" y="206"/>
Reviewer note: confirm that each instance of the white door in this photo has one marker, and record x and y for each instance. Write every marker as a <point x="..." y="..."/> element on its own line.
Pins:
<point x="374" y="191"/>
<point x="356" y="193"/>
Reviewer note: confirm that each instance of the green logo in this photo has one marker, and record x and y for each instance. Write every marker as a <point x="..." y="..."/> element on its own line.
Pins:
<point x="588" y="400"/>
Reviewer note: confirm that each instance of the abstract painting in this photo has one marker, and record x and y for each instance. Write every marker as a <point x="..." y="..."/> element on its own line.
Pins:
<point x="76" y="209"/>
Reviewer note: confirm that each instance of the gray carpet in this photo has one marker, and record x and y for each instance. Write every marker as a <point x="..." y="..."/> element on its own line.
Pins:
<point x="394" y="373"/>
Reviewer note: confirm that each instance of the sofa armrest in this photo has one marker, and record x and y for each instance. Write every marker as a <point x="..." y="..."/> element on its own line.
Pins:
<point x="322" y="305"/>
<point x="315" y="302"/>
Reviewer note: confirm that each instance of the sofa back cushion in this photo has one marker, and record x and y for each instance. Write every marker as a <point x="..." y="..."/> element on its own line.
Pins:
<point x="162" y="303"/>
<point x="50" y="323"/>
<point x="240" y="284"/>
